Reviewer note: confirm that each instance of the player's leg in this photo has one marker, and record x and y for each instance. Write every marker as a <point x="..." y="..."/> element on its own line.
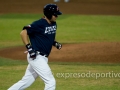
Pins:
<point x="40" y="65"/>
<point x="26" y="81"/>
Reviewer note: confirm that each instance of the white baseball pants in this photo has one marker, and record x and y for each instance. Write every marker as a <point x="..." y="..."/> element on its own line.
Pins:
<point x="37" y="67"/>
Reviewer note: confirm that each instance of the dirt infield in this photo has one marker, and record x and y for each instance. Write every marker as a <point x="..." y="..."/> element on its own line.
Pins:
<point x="84" y="52"/>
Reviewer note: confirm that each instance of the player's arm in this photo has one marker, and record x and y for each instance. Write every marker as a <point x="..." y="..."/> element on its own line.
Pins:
<point x="24" y="36"/>
<point x="25" y="40"/>
<point x="57" y="45"/>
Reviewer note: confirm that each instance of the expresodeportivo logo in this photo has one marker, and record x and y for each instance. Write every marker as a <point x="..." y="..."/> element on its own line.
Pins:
<point x="88" y="74"/>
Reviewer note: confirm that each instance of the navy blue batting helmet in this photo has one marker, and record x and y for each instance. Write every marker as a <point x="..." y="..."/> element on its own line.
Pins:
<point x="51" y="9"/>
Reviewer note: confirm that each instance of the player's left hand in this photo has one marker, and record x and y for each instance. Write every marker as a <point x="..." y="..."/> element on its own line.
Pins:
<point x="58" y="45"/>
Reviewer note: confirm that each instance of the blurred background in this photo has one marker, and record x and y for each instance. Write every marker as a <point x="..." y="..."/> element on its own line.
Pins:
<point x="104" y="7"/>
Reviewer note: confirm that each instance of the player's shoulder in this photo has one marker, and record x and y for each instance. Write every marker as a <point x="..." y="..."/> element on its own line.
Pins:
<point x="42" y="21"/>
<point x="37" y="21"/>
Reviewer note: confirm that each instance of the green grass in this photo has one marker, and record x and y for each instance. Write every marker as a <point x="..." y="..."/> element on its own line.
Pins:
<point x="70" y="76"/>
<point x="11" y="26"/>
<point x="10" y="62"/>
<point x="71" y="29"/>
<point x="89" y="28"/>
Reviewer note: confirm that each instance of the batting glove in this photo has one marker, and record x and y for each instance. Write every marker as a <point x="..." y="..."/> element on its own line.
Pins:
<point x="31" y="51"/>
<point x="57" y="45"/>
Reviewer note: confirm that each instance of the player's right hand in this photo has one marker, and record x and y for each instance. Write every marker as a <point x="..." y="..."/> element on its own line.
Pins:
<point x="31" y="51"/>
<point x="32" y="54"/>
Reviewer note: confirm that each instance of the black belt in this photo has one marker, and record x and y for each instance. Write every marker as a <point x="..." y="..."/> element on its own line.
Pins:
<point x="42" y="54"/>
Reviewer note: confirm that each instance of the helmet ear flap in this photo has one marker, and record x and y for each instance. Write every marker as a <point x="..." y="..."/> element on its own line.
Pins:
<point x="48" y="15"/>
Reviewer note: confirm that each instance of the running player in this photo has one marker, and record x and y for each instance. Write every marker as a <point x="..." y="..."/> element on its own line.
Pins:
<point x="39" y="37"/>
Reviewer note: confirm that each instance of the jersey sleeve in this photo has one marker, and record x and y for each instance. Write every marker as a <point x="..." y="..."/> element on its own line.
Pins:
<point x="30" y="28"/>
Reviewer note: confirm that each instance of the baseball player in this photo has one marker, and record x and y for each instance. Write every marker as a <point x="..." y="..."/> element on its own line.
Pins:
<point x="38" y="38"/>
